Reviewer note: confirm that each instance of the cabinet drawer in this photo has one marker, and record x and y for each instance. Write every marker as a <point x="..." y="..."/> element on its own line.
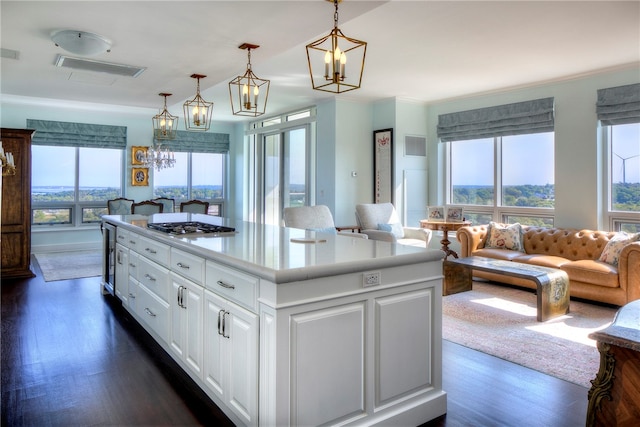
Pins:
<point x="159" y="252"/>
<point x="130" y="240"/>
<point x="154" y="276"/>
<point x="232" y="284"/>
<point x="122" y="236"/>
<point x="187" y="265"/>
<point x="132" y="296"/>
<point x="153" y="311"/>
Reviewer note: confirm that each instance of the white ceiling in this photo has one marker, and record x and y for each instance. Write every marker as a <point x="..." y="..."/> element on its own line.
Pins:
<point x="417" y="50"/>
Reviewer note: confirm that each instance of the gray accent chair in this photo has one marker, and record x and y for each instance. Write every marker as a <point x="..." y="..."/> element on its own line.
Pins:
<point x="380" y="221"/>
<point x="315" y="218"/>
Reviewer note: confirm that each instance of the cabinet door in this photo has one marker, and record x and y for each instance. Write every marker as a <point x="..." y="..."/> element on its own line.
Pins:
<point x="214" y="362"/>
<point x="185" y="338"/>
<point x="231" y="349"/>
<point x="122" y="272"/>
<point x="242" y="386"/>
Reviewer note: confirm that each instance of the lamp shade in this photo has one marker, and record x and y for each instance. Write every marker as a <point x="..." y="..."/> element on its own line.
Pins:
<point x="81" y="42"/>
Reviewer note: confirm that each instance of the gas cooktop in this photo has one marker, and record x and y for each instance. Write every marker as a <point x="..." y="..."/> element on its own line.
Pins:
<point x="189" y="227"/>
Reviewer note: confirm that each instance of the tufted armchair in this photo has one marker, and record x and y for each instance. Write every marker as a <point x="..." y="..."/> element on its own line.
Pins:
<point x="380" y="221"/>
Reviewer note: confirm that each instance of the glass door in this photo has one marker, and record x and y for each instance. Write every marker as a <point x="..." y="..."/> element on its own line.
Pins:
<point x="285" y="180"/>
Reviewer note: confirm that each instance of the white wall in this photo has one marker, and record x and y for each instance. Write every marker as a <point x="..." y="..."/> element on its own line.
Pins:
<point x="578" y="175"/>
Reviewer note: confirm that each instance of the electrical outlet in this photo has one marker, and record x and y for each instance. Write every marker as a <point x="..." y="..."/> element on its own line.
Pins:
<point x="371" y="279"/>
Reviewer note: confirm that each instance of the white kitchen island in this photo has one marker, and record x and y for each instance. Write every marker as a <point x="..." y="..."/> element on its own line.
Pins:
<point x="281" y="326"/>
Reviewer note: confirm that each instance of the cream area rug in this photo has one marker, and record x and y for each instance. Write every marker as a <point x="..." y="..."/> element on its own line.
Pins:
<point x="69" y="265"/>
<point x="501" y="321"/>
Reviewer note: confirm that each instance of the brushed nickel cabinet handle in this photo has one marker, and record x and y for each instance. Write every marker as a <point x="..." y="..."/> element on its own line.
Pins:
<point x="225" y="285"/>
<point x="149" y="312"/>
<point x="181" y="265"/>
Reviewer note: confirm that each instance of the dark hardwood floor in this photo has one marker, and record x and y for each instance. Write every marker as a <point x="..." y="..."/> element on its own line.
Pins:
<point x="72" y="357"/>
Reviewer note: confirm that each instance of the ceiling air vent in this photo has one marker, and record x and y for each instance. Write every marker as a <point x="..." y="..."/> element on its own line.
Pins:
<point x="98" y="66"/>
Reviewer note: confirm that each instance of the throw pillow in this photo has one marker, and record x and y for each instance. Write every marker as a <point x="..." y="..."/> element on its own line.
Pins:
<point x="611" y="252"/>
<point x="330" y="230"/>
<point x="395" y="228"/>
<point x="505" y="237"/>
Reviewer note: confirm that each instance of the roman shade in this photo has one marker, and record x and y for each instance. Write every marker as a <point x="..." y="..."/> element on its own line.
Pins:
<point x="534" y="116"/>
<point x="198" y="142"/>
<point x="70" y="134"/>
<point x="619" y="105"/>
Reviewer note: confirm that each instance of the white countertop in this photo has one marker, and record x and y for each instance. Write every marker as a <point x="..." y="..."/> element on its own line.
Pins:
<point x="269" y="252"/>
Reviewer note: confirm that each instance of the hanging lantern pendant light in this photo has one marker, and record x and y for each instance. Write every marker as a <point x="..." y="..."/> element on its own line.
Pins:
<point x="197" y="112"/>
<point x="333" y="50"/>
<point x="250" y="92"/>
<point x="165" y="126"/>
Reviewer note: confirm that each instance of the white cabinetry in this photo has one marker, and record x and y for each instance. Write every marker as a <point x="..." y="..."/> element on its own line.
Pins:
<point x="122" y="272"/>
<point x="231" y="355"/>
<point x="185" y="337"/>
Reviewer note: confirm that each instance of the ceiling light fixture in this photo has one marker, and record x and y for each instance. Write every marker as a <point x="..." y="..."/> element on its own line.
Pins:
<point x="327" y="59"/>
<point x="251" y="91"/>
<point x="165" y="126"/>
<point x="81" y="42"/>
<point x="197" y="112"/>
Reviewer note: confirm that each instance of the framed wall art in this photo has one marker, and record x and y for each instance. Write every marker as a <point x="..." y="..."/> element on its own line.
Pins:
<point x="138" y="153"/>
<point x="140" y="177"/>
<point x="383" y="165"/>
<point x="435" y="213"/>
<point x="454" y="214"/>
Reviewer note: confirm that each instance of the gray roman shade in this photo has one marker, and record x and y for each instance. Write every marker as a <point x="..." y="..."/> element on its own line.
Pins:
<point x="619" y="105"/>
<point x="197" y="142"/>
<point x="510" y="119"/>
<point x="77" y="134"/>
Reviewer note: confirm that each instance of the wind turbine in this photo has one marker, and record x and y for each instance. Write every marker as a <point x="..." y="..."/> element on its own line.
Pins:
<point x="624" y="165"/>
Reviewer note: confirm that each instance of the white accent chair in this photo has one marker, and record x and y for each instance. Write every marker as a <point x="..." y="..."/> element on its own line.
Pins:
<point x="380" y="221"/>
<point x="315" y="218"/>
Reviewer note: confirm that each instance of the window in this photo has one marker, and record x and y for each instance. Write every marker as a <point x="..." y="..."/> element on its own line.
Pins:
<point x="492" y="180"/>
<point x="623" y="143"/>
<point x="71" y="185"/>
<point x="194" y="176"/>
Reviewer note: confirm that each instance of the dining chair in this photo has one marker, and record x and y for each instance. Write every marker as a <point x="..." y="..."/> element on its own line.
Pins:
<point x="169" y="204"/>
<point x="147" y="207"/>
<point x="314" y="218"/>
<point x="195" y="206"/>
<point x="119" y="206"/>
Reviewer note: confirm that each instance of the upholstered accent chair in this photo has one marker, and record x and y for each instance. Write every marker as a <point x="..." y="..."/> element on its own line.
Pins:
<point x="119" y="206"/>
<point x="169" y="205"/>
<point x="147" y="207"/>
<point x="315" y="218"/>
<point x="195" y="206"/>
<point x="380" y="221"/>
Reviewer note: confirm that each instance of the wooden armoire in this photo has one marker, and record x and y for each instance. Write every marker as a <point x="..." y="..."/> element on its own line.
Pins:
<point x="15" y="243"/>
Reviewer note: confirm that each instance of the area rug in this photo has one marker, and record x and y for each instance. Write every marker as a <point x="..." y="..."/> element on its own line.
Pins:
<point x="501" y="321"/>
<point x="69" y="265"/>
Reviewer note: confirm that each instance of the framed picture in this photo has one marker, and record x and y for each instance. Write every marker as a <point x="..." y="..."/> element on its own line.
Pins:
<point x="383" y="165"/>
<point x="138" y="154"/>
<point x="454" y="214"/>
<point x="140" y="176"/>
<point x="435" y="213"/>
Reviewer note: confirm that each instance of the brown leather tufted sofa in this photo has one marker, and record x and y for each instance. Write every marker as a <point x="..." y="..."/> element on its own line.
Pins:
<point x="574" y="251"/>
